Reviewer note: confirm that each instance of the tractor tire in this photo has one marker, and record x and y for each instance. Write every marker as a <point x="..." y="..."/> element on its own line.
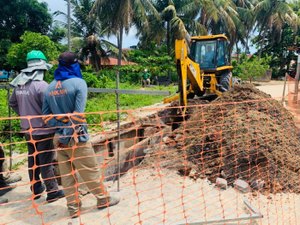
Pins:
<point x="225" y="80"/>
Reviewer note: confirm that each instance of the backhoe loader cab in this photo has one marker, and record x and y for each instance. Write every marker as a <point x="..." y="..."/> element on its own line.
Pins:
<point x="211" y="53"/>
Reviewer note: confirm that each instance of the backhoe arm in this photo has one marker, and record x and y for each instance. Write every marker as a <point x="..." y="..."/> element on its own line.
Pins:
<point x="187" y="70"/>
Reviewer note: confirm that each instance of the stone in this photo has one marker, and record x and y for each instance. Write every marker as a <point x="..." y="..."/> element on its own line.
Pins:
<point x="221" y="183"/>
<point x="178" y="137"/>
<point x="242" y="186"/>
<point x="208" y="172"/>
<point x="166" y="139"/>
<point x="257" y="184"/>
<point x="193" y="174"/>
<point x="223" y="174"/>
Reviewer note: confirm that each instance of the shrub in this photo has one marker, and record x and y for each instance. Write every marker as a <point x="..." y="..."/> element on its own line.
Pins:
<point x="16" y="56"/>
<point x="249" y="69"/>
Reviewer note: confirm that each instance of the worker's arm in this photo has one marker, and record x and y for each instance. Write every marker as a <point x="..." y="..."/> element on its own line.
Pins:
<point x="13" y="103"/>
<point x="80" y="103"/>
<point x="50" y="119"/>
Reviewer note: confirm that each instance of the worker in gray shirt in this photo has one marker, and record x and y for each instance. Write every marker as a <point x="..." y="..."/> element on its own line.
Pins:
<point x="26" y="101"/>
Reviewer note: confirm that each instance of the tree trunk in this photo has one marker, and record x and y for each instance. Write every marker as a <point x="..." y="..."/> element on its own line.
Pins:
<point x="237" y="52"/>
<point x="262" y="44"/>
<point x="168" y="46"/>
<point x="120" y="45"/>
<point x="168" y="38"/>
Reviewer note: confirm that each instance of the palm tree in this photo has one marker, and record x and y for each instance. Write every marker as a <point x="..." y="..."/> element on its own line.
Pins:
<point x="247" y="21"/>
<point x="87" y="31"/>
<point x="271" y="16"/>
<point x="169" y="26"/>
<point x="120" y="15"/>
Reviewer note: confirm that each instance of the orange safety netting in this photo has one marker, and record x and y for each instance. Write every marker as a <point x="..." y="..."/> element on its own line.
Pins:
<point x="235" y="159"/>
<point x="293" y="98"/>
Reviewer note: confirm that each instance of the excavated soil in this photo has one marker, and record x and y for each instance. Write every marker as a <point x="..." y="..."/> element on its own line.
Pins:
<point x="243" y="134"/>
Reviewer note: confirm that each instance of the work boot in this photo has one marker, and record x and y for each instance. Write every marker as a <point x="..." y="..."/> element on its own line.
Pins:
<point x="107" y="202"/>
<point x="74" y="209"/>
<point x="12" y="178"/>
<point x="3" y="200"/>
<point x="52" y="197"/>
<point x="38" y="192"/>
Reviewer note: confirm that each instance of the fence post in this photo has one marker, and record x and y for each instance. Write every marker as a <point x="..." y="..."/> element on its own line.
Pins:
<point x="9" y="124"/>
<point x="284" y="87"/>
<point x="297" y="80"/>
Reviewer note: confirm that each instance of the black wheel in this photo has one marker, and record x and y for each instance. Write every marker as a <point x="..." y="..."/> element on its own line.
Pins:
<point x="225" y="80"/>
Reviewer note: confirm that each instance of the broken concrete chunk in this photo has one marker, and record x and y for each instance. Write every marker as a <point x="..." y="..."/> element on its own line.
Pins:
<point x="221" y="183"/>
<point x="184" y="170"/>
<point x="257" y="184"/>
<point x="208" y="172"/>
<point x="193" y="174"/>
<point x="178" y="137"/>
<point x="223" y="174"/>
<point x="242" y="186"/>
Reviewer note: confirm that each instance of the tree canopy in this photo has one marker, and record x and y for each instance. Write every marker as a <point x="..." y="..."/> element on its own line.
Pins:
<point x="18" y="16"/>
<point x="16" y="56"/>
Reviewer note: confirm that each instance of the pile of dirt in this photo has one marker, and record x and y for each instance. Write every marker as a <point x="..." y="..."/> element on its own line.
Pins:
<point x="243" y="134"/>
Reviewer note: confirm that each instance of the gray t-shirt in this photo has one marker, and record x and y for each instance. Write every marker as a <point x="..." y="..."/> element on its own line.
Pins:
<point x="27" y="101"/>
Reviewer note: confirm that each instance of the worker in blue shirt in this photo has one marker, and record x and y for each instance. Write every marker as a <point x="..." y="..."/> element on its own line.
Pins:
<point x="67" y="96"/>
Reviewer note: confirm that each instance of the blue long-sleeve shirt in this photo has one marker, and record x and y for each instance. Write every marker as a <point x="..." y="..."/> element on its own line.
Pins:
<point x="65" y="97"/>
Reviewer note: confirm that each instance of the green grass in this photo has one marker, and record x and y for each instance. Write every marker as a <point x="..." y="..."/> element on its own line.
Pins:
<point x="107" y="102"/>
<point x="98" y="104"/>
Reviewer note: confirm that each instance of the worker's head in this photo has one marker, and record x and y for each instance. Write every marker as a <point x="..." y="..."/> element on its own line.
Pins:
<point x="146" y="70"/>
<point x="67" y="58"/>
<point x="36" y="58"/>
<point x="68" y="67"/>
<point x="209" y="48"/>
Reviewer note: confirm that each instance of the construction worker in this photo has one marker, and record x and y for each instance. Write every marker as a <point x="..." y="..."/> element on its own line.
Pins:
<point x="67" y="94"/>
<point x="209" y="55"/>
<point x="146" y="78"/>
<point x="27" y="100"/>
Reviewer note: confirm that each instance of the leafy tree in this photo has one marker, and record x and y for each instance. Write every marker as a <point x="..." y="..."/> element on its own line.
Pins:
<point x="4" y="46"/>
<point x="249" y="69"/>
<point x="57" y="33"/>
<point x="19" y="16"/>
<point x="16" y="56"/>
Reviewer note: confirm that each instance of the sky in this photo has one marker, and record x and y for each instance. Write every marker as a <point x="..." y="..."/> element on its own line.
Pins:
<point x="61" y="5"/>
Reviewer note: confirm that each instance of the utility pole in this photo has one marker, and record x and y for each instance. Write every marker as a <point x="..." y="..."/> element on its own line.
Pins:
<point x="69" y="25"/>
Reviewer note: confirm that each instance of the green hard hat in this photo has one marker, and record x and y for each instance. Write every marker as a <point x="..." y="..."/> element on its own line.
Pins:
<point x="35" y="54"/>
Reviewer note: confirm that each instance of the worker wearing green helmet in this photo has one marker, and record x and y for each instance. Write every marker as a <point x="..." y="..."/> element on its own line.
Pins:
<point x="27" y="100"/>
<point x="36" y="55"/>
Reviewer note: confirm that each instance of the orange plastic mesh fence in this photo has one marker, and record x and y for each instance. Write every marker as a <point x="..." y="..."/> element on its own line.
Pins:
<point x="222" y="161"/>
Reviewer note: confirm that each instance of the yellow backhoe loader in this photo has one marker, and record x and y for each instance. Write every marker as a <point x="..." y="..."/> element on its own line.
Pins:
<point x="203" y="66"/>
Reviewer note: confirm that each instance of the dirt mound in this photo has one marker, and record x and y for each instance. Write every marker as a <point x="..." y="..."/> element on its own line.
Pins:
<point x="243" y="134"/>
